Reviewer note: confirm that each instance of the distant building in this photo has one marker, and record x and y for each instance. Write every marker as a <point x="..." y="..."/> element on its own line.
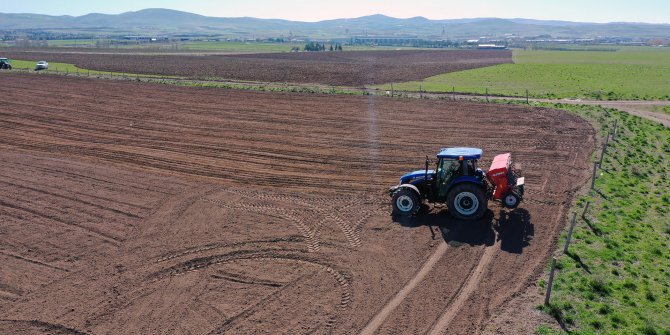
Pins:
<point x="146" y="38"/>
<point x="491" y="47"/>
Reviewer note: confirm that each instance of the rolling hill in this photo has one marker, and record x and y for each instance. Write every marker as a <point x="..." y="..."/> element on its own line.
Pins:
<point x="166" y="21"/>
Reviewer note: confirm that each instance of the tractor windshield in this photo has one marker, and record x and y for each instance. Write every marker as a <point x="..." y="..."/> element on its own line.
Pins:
<point x="446" y="168"/>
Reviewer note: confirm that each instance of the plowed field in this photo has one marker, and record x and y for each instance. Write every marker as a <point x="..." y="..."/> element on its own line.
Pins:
<point x="147" y="209"/>
<point x="353" y="68"/>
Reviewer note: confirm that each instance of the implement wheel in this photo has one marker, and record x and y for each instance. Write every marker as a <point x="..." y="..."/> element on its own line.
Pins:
<point x="511" y="200"/>
<point x="405" y="202"/>
<point x="467" y="201"/>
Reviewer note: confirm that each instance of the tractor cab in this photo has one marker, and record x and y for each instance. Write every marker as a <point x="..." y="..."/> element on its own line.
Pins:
<point x="452" y="165"/>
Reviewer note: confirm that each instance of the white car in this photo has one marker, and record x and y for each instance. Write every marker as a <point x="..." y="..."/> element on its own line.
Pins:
<point x="41" y="65"/>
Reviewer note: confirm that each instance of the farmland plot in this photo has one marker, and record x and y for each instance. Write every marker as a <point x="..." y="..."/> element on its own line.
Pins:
<point x="148" y="208"/>
<point x="354" y="68"/>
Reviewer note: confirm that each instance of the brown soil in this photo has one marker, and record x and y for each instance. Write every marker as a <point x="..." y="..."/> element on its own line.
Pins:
<point x="352" y="68"/>
<point x="141" y="208"/>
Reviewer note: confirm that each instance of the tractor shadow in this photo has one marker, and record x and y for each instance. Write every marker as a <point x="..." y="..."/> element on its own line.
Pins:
<point x="513" y="229"/>
<point x="454" y="231"/>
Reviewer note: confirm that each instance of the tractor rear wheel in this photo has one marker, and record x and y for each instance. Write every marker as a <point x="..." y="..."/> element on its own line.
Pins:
<point x="467" y="201"/>
<point x="405" y="202"/>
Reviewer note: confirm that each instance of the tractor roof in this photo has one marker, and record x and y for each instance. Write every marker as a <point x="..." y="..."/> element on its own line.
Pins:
<point x="456" y="153"/>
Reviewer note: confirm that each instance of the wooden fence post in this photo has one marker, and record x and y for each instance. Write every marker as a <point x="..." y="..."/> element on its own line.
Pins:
<point x="550" y="283"/>
<point x="453" y="93"/>
<point x="595" y="170"/>
<point x="602" y="154"/>
<point x="586" y="208"/>
<point x="527" y="102"/>
<point x="572" y="227"/>
<point x="487" y="94"/>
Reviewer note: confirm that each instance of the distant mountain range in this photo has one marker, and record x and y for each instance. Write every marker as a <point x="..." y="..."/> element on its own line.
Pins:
<point x="166" y="21"/>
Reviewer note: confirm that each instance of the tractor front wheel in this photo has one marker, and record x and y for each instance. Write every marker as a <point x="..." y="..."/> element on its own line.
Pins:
<point x="467" y="201"/>
<point x="405" y="202"/>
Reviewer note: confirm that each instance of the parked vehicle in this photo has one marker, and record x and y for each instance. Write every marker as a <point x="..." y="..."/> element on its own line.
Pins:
<point x="41" y="65"/>
<point x="5" y="64"/>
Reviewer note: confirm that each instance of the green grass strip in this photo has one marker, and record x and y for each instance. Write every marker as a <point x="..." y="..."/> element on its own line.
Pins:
<point x="616" y="277"/>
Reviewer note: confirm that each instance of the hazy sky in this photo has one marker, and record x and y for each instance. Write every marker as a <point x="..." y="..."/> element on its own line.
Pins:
<point x="652" y="11"/>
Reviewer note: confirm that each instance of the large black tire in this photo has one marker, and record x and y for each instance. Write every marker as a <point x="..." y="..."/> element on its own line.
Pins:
<point x="406" y="202"/>
<point x="467" y="201"/>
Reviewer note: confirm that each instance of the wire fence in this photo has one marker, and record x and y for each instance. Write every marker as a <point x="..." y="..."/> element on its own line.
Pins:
<point x="597" y="165"/>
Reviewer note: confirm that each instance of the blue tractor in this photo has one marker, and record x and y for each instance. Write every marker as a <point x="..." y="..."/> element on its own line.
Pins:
<point x="458" y="182"/>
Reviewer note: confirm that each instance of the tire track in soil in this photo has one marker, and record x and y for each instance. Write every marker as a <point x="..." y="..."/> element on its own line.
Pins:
<point x="392" y="304"/>
<point x="33" y="261"/>
<point x="237" y="278"/>
<point x="468" y="287"/>
<point x="323" y="207"/>
<point x="202" y="263"/>
<point x="214" y="246"/>
<point x="9" y="293"/>
<point x="48" y="327"/>
<point x="73" y="199"/>
<point x="115" y="241"/>
<point x="229" y="323"/>
<point x="305" y="230"/>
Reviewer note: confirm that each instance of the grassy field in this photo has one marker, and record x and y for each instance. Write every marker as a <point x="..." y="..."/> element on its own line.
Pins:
<point x="616" y="276"/>
<point x="628" y="73"/>
<point x="623" y="55"/>
<point x="72" y="43"/>
<point x="60" y="67"/>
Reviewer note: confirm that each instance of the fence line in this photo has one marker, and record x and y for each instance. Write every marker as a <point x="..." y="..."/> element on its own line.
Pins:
<point x="547" y="298"/>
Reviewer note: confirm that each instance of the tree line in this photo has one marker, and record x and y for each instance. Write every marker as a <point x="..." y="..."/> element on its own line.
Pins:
<point x="313" y="46"/>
